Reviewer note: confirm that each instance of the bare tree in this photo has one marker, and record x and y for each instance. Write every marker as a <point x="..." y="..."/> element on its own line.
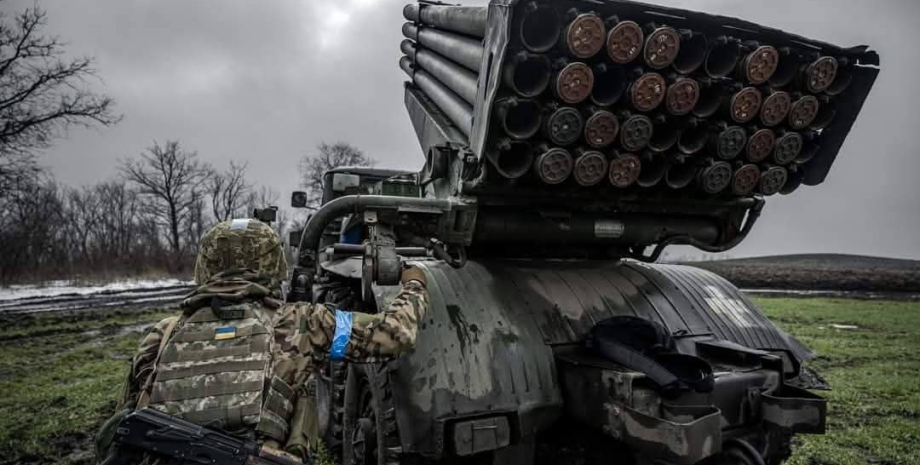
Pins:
<point x="229" y="191"/>
<point x="327" y="157"/>
<point x="172" y="181"/>
<point x="41" y="94"/>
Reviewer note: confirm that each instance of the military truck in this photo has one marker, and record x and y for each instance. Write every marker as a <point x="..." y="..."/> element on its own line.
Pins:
<point x="567" y="144"/>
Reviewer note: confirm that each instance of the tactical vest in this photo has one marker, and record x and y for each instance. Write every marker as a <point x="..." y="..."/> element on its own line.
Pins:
<point x="216" y="370"/>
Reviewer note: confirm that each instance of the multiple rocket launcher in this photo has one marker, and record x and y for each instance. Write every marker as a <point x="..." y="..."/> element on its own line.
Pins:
<point x="591" y="98"/>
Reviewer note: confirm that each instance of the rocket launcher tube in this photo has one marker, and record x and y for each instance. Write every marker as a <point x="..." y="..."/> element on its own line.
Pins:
<point x="457" y="78"/>
<point x="469" y="20"/>
<point x="459" y="112"/>
<point x="459" y="48"/>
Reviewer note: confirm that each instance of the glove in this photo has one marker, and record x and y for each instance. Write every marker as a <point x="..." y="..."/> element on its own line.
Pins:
<point x="413" y="273"/>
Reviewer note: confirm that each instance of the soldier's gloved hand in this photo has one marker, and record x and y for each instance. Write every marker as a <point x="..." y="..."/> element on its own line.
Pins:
<point x="413" y="273"/>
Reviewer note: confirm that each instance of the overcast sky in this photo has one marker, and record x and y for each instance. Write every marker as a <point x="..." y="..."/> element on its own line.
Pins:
<point x="265" y="81"/>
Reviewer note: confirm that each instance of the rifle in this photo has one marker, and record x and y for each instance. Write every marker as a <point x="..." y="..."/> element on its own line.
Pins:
<point x="151" y="431"/>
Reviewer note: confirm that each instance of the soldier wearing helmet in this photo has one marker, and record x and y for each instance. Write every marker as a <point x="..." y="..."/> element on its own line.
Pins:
<point x="237" y="358"/>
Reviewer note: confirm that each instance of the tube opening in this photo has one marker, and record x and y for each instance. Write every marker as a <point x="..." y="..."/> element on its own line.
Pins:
<point x="788" y="66"/>
<point x="692" y="54"/>
<point x="664" y="137"/>
<point x="652" y="173"/>
<point x="692" y="139"/>
<point x="530" y="75"/>
<point x="609" y="86"/>
<point x="540" y="29"/>
<point x="841" y="82"/>
<point x="522" y="120"/>
<point x="721" y="59"/>
<point x="826" y="114"/>
<point x="514" y="161"/>
<point x="793" y="181"/>
<point x="680" y="175"/>
<point x="709" y="102"/>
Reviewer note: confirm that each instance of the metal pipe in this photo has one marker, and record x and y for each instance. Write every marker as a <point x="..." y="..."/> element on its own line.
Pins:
<point x="803" y="112"/>
<point x="744" y="105"/>
<point x="729" y="141"/>
<point x="590" y="167"/>
<point x="584" y="35"/>
<point x="635" y="131"/>
<point x="563" y="126"/>
<point x="665" y="135"/>
<point x="693" y="138"/>
<point x="711" y="96"/>
<point x="609" y="84"/>
<point x="647" y="91"/>
<point x="527" y="74"/>
<point x="469" y="20"/>
<point x="462" y="49"/>
<point x="775" y="108"/>
<point x="662" y="45"/>
<point x="539" y="27"/>
<point x="760" y="144"/>
<point x="794" y="180"/>
<point x="772" y="180"/>
<point x="680" y="174"/>
<point x="624" y="169"/>
<point x="513" y="159"/>
<point x="553" y="165"/>
<point x="653" y="170"/>
<point x="745" y="180"/>
<point x="458" y="111"/>
<point x="601" y="129"/>
<point x="759" y="65"/>
<point x="353" y="249"/>
<point x="682" y="95"/>
<point x="573" y="82"/>
<point x="789" y="64"/>
<point x="693" y="47"/>
<point x="715" y="177"/>
<point x="788" y="147"/>
<point x="722" y="57"/>
<point x="624" y="41"/>
<point x="520" y="118"/>
<point x="457" y="78"/>
<point x="820" y="74"/>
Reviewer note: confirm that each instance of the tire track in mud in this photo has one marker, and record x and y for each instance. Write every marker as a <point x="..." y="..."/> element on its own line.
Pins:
<point x="132" y="298"/>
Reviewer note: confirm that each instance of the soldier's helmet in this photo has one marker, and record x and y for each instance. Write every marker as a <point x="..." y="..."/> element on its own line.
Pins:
<point x="240" y="244"/>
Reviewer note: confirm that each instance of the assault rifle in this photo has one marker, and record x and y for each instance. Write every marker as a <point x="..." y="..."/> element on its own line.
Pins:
<point x="152" y="432"/>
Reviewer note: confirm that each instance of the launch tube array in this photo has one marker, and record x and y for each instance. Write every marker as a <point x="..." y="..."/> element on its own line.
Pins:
<point x="593" y="99"/>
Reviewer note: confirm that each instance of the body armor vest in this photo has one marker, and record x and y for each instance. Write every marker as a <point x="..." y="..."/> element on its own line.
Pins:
<point x="216" y="370"/>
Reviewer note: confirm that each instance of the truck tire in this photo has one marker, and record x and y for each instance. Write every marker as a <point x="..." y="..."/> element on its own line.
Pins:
<point x="370" y="434"/>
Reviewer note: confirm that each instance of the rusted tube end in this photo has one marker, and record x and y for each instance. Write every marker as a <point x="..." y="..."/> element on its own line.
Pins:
<point x="636" y="132"/>
<point x="716" y="177"/>
<point x="513" y="159"/>
<point x="574" y="83"/>
<point x="528" y="74"/>
<point x="803" y="112"/>
<point x="682" y="96"/>
<point x="584" y="36"/>
<point x="788" y="148"/>
<point x="601" y="129"/>
<point x="553" y="166"/>
<point x="540" y="28"/>
<point x="520" y="118"/>
<point x="773" y="180"/>
<point x="564" y="126"/>
<point x="775" y="108"/>
<point x="609" y="85"/>
<point x="722" y="57"/>
<point x="692" y="53"/>
<point x="820" y="74"/>
<point x="692" y="139"/>
<point x="680" y="175"/>
<point x="760" y="65"/>
<point x="590" y="168"/>
<point x="745" y="180"/>
<point x="745" y="105"/>
<point x="624" y="170"/>
<point x="730" y="142"/>
<point x="624" y="42"/>
<point x="653" y="171"/>
<point x="760" y="145"/>
<point x="661" y="47"/>
<point x="647" y="91"/>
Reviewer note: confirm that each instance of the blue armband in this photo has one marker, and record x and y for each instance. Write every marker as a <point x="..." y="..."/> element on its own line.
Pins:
<point x="343" y="321"/>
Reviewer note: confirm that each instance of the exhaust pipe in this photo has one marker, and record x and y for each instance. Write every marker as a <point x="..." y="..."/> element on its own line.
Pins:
<point x="693" y="47"/>
<point x="609" y="84"/>
<point x="461" y="49"/>
<point x="772" y="180"/>
<point x="715" y="177"/>
<point x="775" y="108"/>
<point x="745" y="180"/>
<point x="624" y="41"/>
<point x="540" y="27"/>
<point x="647" y="92"/>
<point x="662" y="46"/>
<point x="624" y="169"/>
<point x="744" y="105"/>
<point x="513" y="159"/>
<point x="682" y="95"/>
<point x="457" y="110"/>
<point x="680" y="174"/>
<point x="820" y="74"/>
<point x="664" y="136"/>
<point x="729" y="141"/>
<point x="722" y="57"/>
<point x="693" y="138"/>
<point x="759" y="65"/>
<point x="804" y="111"/>
<point x="573" y="82"/>
<point x="584" y="36"/>
<point x="457" y="78"/>
<point x="520" y="118"/>
<point x="653" y="170"/>
<point x="601" y="129"/>
<point x="563" y="126"/>
<point x="527" y="74"/>
<point x="788" y="147"/>
<point x="590" y="167"/>
<point x="760" y="145"/>
<point x="711" y="96"/>
<point x="635" y="132"/>
<point x="554" y="165"/>
<point x="469" y="20"/>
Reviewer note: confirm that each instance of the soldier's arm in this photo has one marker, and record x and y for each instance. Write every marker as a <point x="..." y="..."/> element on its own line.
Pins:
<point x="142" y="364"/>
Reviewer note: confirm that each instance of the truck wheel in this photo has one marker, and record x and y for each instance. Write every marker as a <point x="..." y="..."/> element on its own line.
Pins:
<point x="370" y="435"/>
<point x="330" y="405"/>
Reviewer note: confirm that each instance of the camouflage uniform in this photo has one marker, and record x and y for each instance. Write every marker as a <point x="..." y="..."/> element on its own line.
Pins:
<point x="231" y="275"/>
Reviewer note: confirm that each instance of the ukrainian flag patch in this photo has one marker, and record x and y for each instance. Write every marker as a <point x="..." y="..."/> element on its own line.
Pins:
<point x="227" y="332"/>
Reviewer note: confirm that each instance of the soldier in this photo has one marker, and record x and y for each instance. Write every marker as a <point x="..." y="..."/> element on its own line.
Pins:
<point x="238" y="359"/>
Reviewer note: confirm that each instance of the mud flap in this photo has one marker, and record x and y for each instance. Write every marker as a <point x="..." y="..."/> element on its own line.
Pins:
<point x="794" y="410"/>
<point x="682" y="436"/>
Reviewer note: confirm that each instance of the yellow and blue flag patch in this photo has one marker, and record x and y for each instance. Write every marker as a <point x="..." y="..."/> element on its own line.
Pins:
<point x="227" y="332"/>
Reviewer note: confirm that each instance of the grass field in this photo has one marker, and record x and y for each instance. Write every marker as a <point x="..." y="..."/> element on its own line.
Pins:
<point x="60" y="376"/>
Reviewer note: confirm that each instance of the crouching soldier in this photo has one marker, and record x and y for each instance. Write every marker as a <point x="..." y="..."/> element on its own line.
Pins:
<point x="237" y="359"/>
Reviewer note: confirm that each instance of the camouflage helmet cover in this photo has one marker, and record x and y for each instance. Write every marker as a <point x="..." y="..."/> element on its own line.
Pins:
<point x="240" y="244"/>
